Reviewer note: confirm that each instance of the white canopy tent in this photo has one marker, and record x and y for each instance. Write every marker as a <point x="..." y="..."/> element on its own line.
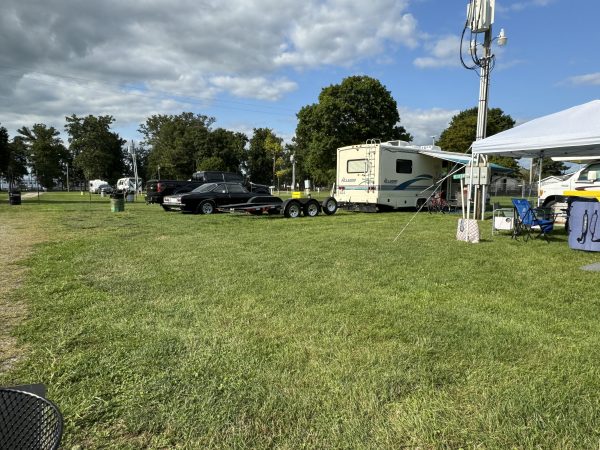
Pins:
<point x="570" y="133"/>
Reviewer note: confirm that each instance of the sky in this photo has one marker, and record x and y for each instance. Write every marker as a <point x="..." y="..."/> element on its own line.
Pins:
<point x="255" y="63"/>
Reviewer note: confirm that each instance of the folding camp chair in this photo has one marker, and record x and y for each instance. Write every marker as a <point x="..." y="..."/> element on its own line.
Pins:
<point x="527" y="221"/>
<point x="28" y="421"/>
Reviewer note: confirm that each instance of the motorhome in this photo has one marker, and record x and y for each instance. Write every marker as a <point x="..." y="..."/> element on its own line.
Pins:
<point x="94" y="185"/>
<point x="129" y="185"/>
<point x="388" y="175"/>
<point x="552" y="194"/>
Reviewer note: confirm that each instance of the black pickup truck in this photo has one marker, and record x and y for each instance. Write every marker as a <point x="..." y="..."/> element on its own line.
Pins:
<point x="157" y="190"/>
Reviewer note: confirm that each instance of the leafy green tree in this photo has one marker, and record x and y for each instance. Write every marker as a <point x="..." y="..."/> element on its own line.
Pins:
<point x="550" y="167"/>
<point x="358" y="109"/>
<point x="13" y="158"/>
<point x="178" y="144"/>
<point x="46" y="153"/>
<point x="264" y="147"/>
<point x="462" y="131"/>
<point x="224" y="151"/>
<point x="96" y="151"/>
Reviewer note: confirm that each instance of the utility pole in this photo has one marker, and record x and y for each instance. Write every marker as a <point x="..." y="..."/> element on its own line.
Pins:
<point x="480" y="17"/>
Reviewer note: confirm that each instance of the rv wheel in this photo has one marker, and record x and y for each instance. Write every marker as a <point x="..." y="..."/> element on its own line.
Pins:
<point x="311" y="208"/>
<point x="329" y="206"/>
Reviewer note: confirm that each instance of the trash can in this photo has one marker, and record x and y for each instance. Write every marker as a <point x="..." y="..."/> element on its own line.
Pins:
<point x="117" y="202"/>
<point x="130" y="197"/>
<point x="14" y="197"/>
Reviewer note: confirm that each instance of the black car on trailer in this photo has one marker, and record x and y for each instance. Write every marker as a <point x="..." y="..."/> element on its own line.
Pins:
<point x="207" y="198"/>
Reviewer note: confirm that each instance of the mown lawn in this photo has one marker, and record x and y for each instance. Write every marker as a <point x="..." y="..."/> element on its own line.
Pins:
<point x="163" y="330"/>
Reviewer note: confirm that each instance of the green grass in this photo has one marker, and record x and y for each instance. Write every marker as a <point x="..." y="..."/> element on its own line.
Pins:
<point x="164" y="330"/>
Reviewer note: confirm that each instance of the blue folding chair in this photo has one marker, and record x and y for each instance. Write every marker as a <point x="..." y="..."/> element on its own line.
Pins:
<point x="527" y="221"/>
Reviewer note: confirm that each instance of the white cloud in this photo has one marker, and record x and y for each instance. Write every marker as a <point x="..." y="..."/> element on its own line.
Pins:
<point x="425" y="123"/>
<point x="132" y="59"/>
<point x="442" y="53"/>
<point x="342" y="31"/>
<point x="590" y="79"/>
<point x="256" y="87"/>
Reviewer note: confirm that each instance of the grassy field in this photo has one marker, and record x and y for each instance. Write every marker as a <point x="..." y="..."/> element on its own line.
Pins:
<point x="162" y="330"/>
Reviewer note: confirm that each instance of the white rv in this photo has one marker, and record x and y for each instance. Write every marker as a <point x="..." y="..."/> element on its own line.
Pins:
<point x="129" y="185"/>
<point x="393" y="174"/>
<point x="552" y="192"/>
<point x="94" y="186"/>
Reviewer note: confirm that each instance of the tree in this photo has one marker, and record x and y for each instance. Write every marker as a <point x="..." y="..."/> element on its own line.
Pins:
<point x="224" y="151"/>
<point x="13" y="158"/>
<point x="265" y="147"/>
<point x="45" y="151"/>
<point x="462" y="131"/>
<point x="358" y="109"/>
<point x="177" y="144"/>
<point x="96" y="151"/>
<point x="550" y="167"/>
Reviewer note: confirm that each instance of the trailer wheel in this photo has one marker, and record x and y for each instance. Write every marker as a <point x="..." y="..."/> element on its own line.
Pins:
<point x="329" y="206"/>
<point x="312" y="208"/>
<point x="293" y="209"/>
<point x="206" y="207"/>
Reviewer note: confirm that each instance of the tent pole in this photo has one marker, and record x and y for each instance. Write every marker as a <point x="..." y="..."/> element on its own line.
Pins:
<point x="539" y="179"/>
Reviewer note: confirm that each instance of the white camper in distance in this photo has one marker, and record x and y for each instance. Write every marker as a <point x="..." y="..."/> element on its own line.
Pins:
<point x="128" y="185"/>
<point x="94" y="185"/>
<point x="387" y="175"/>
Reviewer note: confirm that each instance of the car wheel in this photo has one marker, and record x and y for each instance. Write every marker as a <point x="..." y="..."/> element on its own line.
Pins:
<point x="312" y="208"/>
<point x="206" y="207"/>
<point x="166" y="208"/>
<point x="330" y="206"/>
<point x="292" y="210"/>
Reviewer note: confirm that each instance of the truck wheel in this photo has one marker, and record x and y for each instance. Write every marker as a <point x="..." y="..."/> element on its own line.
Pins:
<point x="206" y="207"/>
<point x="292" y="210"/>
<point x="312" y="208"/>
<point x="329" y="206"/>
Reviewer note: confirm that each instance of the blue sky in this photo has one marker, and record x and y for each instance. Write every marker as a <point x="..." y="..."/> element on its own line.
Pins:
<point x="255" y="63"/>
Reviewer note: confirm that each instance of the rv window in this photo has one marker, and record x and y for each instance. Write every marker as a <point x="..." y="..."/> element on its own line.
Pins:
<point x="356" y="166"/>
<point x="403" y="166"/>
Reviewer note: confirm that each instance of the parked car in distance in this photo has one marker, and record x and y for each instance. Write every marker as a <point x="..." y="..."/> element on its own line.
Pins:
<point x="206" y="198"/>
<point x="105" y="189"/>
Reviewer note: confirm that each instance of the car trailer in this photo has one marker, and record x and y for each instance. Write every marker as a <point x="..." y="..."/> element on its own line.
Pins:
<point x="290" y="208"/>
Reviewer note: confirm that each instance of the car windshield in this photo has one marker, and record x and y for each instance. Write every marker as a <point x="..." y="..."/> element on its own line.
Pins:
<point x="208" y="187"/>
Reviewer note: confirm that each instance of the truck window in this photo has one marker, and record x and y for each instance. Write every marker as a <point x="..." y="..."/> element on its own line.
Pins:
<point x="583" y="176"/>
<point x="404" y="166"/>
<point x="356" y="166"/>
<point x="236" y="188"/>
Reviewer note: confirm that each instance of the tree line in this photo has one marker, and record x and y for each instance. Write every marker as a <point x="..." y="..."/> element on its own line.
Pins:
<point x="175" y="146"/>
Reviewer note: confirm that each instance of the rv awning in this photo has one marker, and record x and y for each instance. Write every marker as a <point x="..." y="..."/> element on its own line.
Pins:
<point x="460" y="158"/>
<point x="571" y="132"/>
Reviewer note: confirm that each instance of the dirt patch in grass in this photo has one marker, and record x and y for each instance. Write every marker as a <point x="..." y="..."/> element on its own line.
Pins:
<point x="18" y="239"/>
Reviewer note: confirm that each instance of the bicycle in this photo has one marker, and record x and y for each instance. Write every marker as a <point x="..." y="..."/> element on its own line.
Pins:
<point x="437" y="203"/>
